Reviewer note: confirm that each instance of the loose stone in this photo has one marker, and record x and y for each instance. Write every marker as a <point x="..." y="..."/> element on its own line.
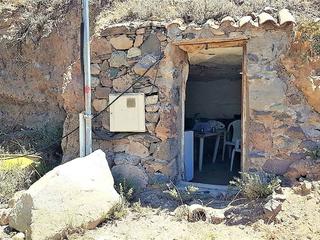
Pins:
<point x="121" y="43"/>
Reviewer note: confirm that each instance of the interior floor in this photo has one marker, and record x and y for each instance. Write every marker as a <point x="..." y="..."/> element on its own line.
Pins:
<point x="217" y="173"/>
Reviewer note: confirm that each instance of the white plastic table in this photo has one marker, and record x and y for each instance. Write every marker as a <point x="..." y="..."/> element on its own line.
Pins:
<point x="202" y="136"/>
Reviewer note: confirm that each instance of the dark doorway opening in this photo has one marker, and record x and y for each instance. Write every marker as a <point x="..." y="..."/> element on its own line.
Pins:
<point x="213" y="109"/>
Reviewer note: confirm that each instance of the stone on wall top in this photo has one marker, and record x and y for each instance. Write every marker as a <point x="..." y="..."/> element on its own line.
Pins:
<point x="284" y="17"/>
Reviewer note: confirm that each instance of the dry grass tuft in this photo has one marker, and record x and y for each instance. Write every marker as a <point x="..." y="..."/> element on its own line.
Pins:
<point x="40" y="16"/>
<point x="121" y="209"/>
<point x="310" y="32"/>
<point x="254" y="185"/>
<point x="36" y="18"/>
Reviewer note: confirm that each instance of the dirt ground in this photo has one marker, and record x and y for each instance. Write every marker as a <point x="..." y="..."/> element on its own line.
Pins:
<point x="298" y="220"/>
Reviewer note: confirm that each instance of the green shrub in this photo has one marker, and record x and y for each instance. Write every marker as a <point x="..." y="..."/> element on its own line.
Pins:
<point x="314" y="153"/>
<point x="254" y="185"/>
<point x="13" y="180"/>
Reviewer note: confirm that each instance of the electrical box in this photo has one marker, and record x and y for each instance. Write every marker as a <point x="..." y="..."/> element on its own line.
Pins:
<point x="127" y="113"/>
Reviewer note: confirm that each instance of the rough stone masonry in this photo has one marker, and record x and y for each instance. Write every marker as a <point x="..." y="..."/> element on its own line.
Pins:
<point x="280" y="122"/>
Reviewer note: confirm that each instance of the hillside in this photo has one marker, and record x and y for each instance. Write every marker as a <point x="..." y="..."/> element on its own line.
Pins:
<point x="35" y="14"/>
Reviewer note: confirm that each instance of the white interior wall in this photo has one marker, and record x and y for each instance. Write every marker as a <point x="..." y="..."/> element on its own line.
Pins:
<point x="218" y="99"/>
<point x="214" y="83"/>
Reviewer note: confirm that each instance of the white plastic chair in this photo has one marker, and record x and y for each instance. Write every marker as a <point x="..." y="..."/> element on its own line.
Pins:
<point x="237" y="148"/>
<point x="236" y="136"/>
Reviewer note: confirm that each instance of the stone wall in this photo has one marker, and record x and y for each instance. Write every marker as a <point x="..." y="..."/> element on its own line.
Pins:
<point x="280" y="121"/>
<point x="280" y="118"/>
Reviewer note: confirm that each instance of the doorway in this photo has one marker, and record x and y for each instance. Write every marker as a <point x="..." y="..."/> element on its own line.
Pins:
<point x="213" y="115"/>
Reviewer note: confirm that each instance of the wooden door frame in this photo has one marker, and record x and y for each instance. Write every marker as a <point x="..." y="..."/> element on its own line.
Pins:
<point x="196" y="45"/>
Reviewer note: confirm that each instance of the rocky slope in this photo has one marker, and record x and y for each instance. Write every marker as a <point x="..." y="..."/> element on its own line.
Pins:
<point x="35" y="56"/>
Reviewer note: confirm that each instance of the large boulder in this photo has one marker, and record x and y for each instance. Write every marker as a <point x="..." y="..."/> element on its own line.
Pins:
<point x="78" y="193"/>
<point x="135" y="176"/>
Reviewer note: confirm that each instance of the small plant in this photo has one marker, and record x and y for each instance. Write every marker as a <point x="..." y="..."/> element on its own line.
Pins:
<point x="254" y="185"/>
<point x="139" y="209"/>
<point x="136" y="207"/>
<point x="121" y="209"/>
<point x="192" y="189"/>
<point x="125" y="189"/>
<point x="181" y="195"/>
<point x="118" y="211"/>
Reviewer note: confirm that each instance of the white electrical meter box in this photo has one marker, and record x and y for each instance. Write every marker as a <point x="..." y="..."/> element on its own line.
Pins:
<point x="127" y="113"/>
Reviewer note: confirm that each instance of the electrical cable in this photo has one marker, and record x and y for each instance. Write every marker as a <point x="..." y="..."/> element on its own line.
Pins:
<point x="95" y="116"/>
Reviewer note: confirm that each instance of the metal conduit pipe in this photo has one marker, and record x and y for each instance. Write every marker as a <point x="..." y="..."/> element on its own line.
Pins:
<point x="87" y="77"/>
<point x="82" y="135"/>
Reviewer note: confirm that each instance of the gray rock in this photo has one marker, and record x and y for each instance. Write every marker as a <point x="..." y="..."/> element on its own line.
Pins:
<point x="137" y="149"/>
<point x="216" y="216"/>
<point x="134" y="52"/>
<point x="199" y="212"/>
<point x="118" y="59"/>
<point x="78" y="193"/>
<point x="158" y="178"/>
<point x="253" y="58"/>
<point x="122" y="83"/>
<point x="279" y="197"/>
<point x="151" y="45"/>
<point x="152" y="117"/>
<point x="134" y="175"/>
<point x="4" y="205"/>
<point x="304" y="188"/>
<point x="15" y="198"/>
<point x="95" y="81"/>
<point x="267" y="95"/>
<point x="145" y="139"/>
<point x="102" y="92"/>
<point x="124" y="158"/>
<point x="95" y="69"/>
<point x="105" y="80"/>
<point x="112" y="73"/>
<point x="272" y="208"/>
<point x="152" y="108"/>
<point x="150" y="100"/>
<point x="144" y="64"/>
<point x="166" y="150"/>
<point x="151" y="127"/>
<point x="18" y="236"/>
<point x="4" y="216"/>
<point x="173" y="31"/>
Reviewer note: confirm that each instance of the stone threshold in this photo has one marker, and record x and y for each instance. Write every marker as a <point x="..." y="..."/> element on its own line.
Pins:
<point x="208" y="188"/>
